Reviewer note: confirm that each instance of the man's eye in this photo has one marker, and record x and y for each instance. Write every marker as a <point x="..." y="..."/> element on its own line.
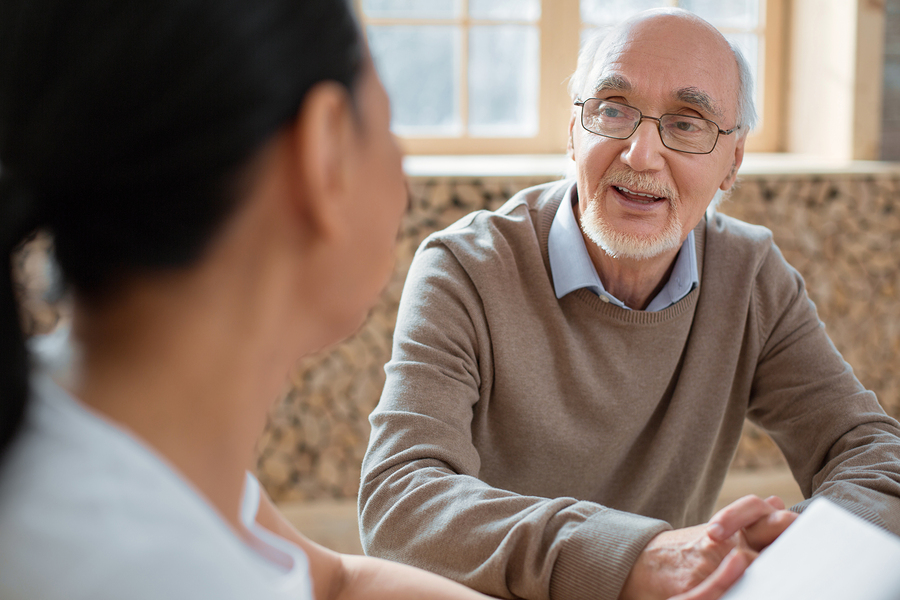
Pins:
<point x="610" y="113"/>
<point x="686" y="126"/>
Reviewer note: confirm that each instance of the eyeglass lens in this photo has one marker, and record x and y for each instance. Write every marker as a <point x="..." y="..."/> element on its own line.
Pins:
<point x="678" y="132"/>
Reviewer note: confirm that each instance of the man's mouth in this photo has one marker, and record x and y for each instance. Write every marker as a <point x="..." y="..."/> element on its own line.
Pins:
<point x="640" y="197"/>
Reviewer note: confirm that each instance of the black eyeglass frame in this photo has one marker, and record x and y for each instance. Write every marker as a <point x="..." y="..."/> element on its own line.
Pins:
<point x="642" y="116"/>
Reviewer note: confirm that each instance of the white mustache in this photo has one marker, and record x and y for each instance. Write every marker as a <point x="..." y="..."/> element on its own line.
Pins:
<point x="639" y="182"/>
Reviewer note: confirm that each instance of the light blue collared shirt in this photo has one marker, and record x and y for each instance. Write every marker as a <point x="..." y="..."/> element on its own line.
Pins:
<point x="572" y="268"/>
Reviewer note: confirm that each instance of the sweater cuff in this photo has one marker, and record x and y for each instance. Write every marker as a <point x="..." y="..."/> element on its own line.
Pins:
<point x="860" y="510"/>
<point x="595" y="560"/>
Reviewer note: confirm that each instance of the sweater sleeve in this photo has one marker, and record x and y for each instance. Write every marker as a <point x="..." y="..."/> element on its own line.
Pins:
<point x="837" y="439"/>
<point x="421" y="500"/>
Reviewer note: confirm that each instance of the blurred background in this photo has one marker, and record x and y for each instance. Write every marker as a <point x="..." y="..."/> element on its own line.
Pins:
<point x="479" y="98"/>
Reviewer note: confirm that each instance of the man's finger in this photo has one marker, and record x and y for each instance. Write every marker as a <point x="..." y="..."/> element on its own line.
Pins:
<point x="767" y="529"/>
<point x="738" y="515"/>
<point x="775" y="502"/>
<point x="728" y="571"/>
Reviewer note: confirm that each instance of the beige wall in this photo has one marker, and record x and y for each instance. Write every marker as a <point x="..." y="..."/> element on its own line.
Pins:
<point x="835" y="77"/>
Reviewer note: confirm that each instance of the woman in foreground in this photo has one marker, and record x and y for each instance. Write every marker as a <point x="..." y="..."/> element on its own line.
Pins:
<point x="224" y="196"/>
<point x="223" y="193"/>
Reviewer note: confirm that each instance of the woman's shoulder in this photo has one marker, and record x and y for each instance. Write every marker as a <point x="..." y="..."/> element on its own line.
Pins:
<point x="88" y="511"/>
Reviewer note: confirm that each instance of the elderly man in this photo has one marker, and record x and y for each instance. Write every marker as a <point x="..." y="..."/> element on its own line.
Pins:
<point x="571" y="373"/>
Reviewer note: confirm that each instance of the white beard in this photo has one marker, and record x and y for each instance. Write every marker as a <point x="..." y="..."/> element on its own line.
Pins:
<point x="618" y="244"/>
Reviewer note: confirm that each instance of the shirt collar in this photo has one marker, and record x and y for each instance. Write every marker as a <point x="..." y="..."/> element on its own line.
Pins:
<point x="572" y="269"/>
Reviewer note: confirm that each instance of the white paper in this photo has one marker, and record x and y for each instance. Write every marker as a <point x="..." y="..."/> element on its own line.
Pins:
<point x="826" y="554"/>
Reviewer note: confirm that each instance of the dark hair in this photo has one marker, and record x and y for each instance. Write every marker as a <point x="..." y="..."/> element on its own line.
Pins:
<point x="125" y="128"/>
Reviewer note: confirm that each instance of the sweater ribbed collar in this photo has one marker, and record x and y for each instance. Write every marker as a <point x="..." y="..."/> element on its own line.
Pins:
<point x="547" y="206"/>
<point x="572" y="268"/>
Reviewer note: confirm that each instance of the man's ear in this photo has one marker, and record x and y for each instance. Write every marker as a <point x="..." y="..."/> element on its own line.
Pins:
<point x="570" y="146"/>
<point x="324" y="139"/>
<point x="735" y="165"/>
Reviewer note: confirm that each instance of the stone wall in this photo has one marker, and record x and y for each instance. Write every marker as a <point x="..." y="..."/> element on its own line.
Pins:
<point x="841" y="232"/>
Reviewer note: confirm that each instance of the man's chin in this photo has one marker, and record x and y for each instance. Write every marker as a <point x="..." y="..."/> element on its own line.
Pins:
<point x="633" y="246"/>
<point x="636" y="252"/>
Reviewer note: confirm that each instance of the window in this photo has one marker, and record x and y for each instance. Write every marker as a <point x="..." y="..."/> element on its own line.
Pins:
<point x="489" y="76"/>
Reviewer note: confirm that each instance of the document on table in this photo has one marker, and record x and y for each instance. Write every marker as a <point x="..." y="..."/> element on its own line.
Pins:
<point x="827" y="554"/>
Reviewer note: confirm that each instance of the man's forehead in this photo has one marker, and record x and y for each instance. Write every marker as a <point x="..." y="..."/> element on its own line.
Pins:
<point x="689" y="95"/>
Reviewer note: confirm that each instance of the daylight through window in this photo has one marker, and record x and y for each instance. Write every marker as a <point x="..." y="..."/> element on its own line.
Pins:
<point x="489" y="76"/>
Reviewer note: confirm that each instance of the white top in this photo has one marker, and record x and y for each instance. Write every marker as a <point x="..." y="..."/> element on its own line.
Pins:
<point x="87" y="511"/>
<point x="572" y="268"/>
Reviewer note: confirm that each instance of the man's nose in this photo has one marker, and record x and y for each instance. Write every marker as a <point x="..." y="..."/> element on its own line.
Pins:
<point x="644" y="149"/>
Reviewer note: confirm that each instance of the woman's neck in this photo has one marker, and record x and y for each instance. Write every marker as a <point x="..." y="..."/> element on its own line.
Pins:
<point x="184" y="387"/>
<point x="190" y="361"/>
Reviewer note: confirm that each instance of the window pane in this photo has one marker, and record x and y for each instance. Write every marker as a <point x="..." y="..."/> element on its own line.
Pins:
<point x="742" y="14"/>
<point x="410" y="9"/>
<point x="523" y="10"/>
<point x="503" y="80"/>
<point x="419" y="66"/>
<point x="609" y="12"/>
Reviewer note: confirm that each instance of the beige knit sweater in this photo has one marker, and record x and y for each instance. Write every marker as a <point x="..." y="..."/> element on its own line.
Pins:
<point x="530" y="446"/>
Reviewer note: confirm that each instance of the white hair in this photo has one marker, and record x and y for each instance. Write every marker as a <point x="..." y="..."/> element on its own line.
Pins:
<point x="746" y="100"/>
<point x="592" y="60"/>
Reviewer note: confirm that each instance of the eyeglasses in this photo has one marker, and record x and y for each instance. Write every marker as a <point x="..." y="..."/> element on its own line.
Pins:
<point x="682" y="133"/>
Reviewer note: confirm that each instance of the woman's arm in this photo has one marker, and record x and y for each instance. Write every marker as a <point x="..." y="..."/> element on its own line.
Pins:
<point x="348" y="577"/>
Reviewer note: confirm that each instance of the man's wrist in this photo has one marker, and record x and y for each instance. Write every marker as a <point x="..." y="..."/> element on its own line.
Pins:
<point x="596" y="558"/>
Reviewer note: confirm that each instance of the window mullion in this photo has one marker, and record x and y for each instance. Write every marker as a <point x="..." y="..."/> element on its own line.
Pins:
<point x="465" y="23"/>
<point x="559" y="25"/>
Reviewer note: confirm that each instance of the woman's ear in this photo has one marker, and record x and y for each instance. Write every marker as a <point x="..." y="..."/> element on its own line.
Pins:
<point x="323" y="137"/>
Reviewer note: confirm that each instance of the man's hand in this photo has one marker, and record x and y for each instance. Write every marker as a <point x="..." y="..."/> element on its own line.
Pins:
<point x="691" y="564"/>
<point x="725" y="575"/>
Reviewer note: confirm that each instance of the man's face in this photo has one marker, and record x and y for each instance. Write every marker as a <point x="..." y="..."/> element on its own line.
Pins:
<point x="664" y="64"/>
